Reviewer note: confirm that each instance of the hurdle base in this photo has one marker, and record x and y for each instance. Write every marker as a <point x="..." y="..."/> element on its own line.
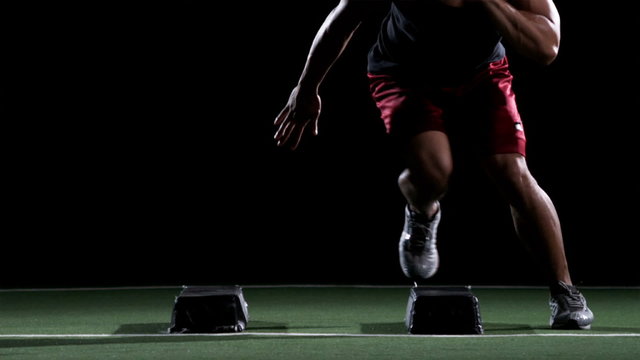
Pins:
<point x="209" y="309"/>
<point x="443" y="310"/>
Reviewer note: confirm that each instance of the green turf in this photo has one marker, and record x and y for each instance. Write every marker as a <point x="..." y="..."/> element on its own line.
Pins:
<point x="279" y="348"/>
<point x="141" y="317"/>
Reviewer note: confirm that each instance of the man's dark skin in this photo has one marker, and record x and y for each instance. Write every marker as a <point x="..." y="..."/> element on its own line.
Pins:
<point x="530" y="27"/>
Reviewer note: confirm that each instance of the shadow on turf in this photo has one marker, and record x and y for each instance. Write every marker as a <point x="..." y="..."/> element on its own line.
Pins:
<point x="400" y="328"/>
<point x="501" y="328"/>
<point x="137" y="329"/>
<point x="151" y="328"/>
<point x="383" y="328"/>
<point x="162" y="328"/>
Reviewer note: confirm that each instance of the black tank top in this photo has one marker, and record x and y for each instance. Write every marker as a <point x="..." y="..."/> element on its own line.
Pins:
<point x="428" y="40"/>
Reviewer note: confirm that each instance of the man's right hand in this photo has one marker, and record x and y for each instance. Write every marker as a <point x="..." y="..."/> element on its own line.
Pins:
<point x="301" y="113"/>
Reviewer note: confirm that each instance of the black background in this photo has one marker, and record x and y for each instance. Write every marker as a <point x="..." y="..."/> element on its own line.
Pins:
<point x="138" y="151"/>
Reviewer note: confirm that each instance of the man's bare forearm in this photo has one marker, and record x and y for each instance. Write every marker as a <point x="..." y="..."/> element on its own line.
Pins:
<point x="532" y="27"/>
<point x="329" y="43"/>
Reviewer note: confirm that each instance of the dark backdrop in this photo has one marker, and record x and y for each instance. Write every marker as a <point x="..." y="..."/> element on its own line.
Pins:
<point x="138" y="151"/>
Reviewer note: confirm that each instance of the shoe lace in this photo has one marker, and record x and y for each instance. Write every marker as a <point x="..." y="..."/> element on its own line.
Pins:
<point x="575" y="300"/>
<point x="420" y="233"/>
<point x="572" y="298"/>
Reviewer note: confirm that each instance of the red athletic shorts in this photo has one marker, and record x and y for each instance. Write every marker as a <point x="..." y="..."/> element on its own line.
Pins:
<point x="482" y="110"/>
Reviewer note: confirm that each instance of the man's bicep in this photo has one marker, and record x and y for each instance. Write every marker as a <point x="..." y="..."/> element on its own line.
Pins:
<point x="545" y="8"/>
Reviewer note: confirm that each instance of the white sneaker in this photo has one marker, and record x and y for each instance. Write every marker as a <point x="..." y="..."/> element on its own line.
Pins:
<point x="569" y="308"/>
<point x="418" y="253"/>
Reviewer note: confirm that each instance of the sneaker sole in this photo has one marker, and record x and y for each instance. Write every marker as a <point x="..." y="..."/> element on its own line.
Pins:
<point x="570" y="325"/>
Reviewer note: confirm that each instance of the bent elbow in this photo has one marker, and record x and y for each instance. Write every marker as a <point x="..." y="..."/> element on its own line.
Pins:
<point x="551" y="54"/>
<point x="547" y="56"/>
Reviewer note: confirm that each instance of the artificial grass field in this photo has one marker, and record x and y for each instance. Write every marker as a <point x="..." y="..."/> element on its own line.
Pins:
<point x="307" y="322"/>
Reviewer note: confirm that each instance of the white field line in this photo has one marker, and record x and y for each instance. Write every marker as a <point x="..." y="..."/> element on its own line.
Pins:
<point x="303" y="286"/>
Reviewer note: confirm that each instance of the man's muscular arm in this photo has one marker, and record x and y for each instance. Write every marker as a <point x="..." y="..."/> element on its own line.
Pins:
<point x="532" y="27"/>
<point x="303" y="108"/>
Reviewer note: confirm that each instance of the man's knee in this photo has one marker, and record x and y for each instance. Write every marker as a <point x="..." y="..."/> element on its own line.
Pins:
<point x="510" y="172"/>
<point x="430" y="185"/>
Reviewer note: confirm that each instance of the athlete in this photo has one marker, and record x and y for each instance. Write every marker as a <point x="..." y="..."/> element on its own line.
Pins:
<point x="440" y="76"/>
